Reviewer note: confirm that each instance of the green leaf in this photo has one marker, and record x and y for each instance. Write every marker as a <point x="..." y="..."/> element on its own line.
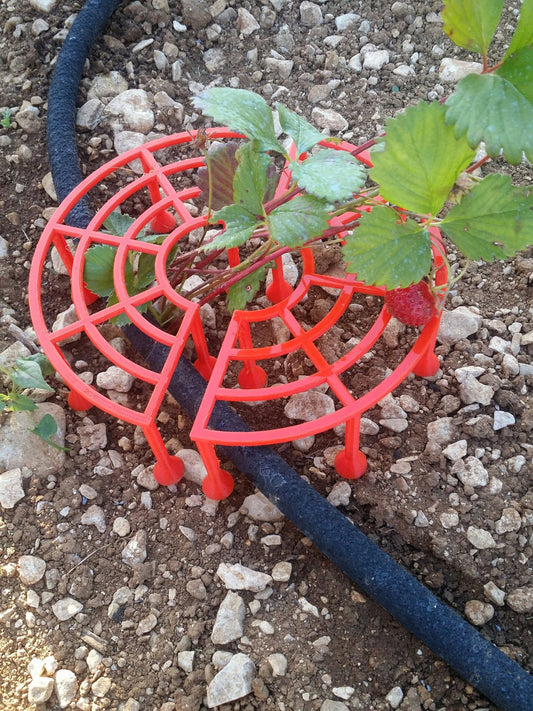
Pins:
<point x="118" y="223"/>
<point x="242" y="111"/>
<point x="44" y="364"/>
<point x="330" y="174"/>
<point x="145" y="271"/>
<point x="46" y="428"/>
<point x="239" y="226"/>
<point x="386" y="251"/>
<point x="98" y="269"/>
<point x="297" y="221"/>
<point x="222" y="164"/>
<point x="250" y="182"/>
<point x="523" y="34"/>
<point x="421" y="161"/>
<point x="244" y="290"/>
<point x="471" y="24"/>
<point x="497" y="108"/>
<point x="21" y="403"/>
<point x="27" y="374"/>
<point x="302" y="133"/>
<point x="493" y="221"/>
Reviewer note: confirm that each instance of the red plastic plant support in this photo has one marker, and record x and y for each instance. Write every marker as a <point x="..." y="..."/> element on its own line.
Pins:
<point x="172" y="210"/>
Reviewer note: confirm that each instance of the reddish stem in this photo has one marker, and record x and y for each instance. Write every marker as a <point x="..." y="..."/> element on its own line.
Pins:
<point x="478" y="164"/>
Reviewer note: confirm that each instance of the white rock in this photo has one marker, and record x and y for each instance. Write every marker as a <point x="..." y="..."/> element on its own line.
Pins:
<point x="214" y="59"/>
<point x="186" y="660"/>
<point x="345" y="21"/>
<point x="453" y="70"/>
<point x="472" y="391"/>
<point x="449" y="519"/>
<point x="259" y="508"/>
<point x="92" y="436"/>
<point x="100" y="687"/>
<point x="121" y="526"/>
<point x="480" y="538"/>
<point x="521" y="599"/>
<point x="278" y="663"/>
<point x="503" y="419"/>
<point x="473" y="473"/>
<point x="146" y="624"/>
<point x="376" y="59"/>
<point x="310" y="14"/>
<point x="500" y="345"/>
<point x="340" y="494"/>
<point x="64" y="319"/>
<point x="494" y="593"/>
<point x="43" y="5"/>
<point x="478" y="612"/>
<point x="65" y="687"/>
<point x="104" y="86"/>
<point x="11" y="491"/>
<point x="330" y="705"/>
<point x="135" y="550"/>
<point x="461" y="374"/>
<point x="238" y="577"/>
<point x="282" y="572"/>
<point x="232" y="682"/>
<point x="40" y="690"/>
<point x="31" y="569"/>
<point x="510" y="366"/>
<point x="510" y="520"/>
<point x="146" y="478"/>
<point x="368" y="426"/>
<point x="114" y="378"/>
<point x="456" y="450"/>
<point x="246" y="22"/>
<point x="304" y="444"/>
<point x="93" y="660"/>
<point x="133" y="108"/>
<point x="35" y="667"/>
<point x="94" y="516"/>
<point x="458" y="324"/>
<point x="281" y="67"/>
<point x="343" y="692"/>
<point x="395" y="424"/>
<point x="308" y="607"/>
<point x="66" y="608"/>
<point x="309" y="406"/>
<point x="195" y="470"/>
<point x="442" y="431"/>
<point x="329" y="118"/>
<point x="395" y="697"/>
<point x="89" y="114"/>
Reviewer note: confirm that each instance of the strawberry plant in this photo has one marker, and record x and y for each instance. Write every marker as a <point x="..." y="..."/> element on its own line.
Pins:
<point x="389" y="210"/>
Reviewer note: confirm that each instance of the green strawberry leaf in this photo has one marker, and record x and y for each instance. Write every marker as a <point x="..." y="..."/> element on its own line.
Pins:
<point x="471" y="24"/>
<point x="223" y="164"/>
<point x="330" y="174"/>
<point x="297" y="221"/>
<point x="493" y="221"/>
<point x="98" y="269"/>
<point x="302" y="133"/>
<point x="523" y="34"/>
<point x="422" y="159"/>
<point x="118" y="223"/>
<point x="46" y="428"/>
<point x="497" y="108"/>
<point x="239" y="227"/>
<point x="242" y="111"/>
<point x="244" y="290"/>
<point x="386" y="251"/>
<point x="28" y="374"/>
<point x="250" y="182"/>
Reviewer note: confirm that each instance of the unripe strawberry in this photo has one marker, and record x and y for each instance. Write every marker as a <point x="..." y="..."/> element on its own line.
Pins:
<point x="414" y="305"/>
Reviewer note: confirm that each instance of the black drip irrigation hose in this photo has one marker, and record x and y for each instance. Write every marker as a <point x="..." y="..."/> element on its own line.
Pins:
<point x="473" y="657"/>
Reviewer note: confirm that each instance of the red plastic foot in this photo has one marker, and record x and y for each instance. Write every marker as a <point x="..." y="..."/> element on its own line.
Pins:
<point x="218" y="485"/>
<point x="78" y="402"/>
<point x="277" y="291"/>
<point x="350" y="467"/>
<point x="205" y="366"/>
<point x="427" y="366"/>
<point x="252" y="376"/>
<point x="169" y="471"/>
<point x="163" y="223"/>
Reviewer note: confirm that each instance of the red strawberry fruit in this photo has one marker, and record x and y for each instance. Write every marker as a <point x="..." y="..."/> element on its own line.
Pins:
<point x="414" y="305"/>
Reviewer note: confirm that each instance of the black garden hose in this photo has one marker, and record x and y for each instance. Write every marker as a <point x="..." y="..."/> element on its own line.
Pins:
<point x="478" y="661"/>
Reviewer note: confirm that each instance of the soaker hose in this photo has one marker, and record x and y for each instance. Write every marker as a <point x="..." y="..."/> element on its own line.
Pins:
<point x="435" y="624"/>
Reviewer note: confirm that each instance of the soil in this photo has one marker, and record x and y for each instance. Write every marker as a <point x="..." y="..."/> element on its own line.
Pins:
<point x="413" y="501"/>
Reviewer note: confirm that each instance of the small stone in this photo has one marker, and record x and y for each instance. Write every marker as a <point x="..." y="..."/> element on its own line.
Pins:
<point x="421" y="520"/>
<point x="478" y="612"/>
<point x="521" y="599"/>
<point x="135" y="550"/>
<point x="196" y="589"/>
<point x="238" y="577"/>
<point x="441" y="431"/>
<point x="133" y="108"/>
<point x="395" y="697"/>
<point x="472" y="473"/>
<point x="310" y="14"/>
<point x="93" y="436"/>
<point x="11" y="491"/>
<point x="40" y="690"/>
<point x="114" y="378"/>
<point x="510" y="520"/>
<point x="343" y="692"/>
<point x="65" y="687"/>
<point x="309" y="406"/>
<point x="503" y="419"/>
<point x="278" y="663"/>
<point x="340" y="494"/>
<point x="93" y="660"/>
<point x="345" y="21"/>
<point x="100" y="687"/>
<point x="375" y="60"/>
<point x="246" y="22"/>
<point x="195" y="470"/>
<point x="329" y="119"/>
<point x="89" y="114"/>
<point x="66" y="608"/>
<point x="147" y="624"/>
<point x="282" y="572"/>
<point x="121" y="526"/>
<point x="232" y="682"/>
<point x="395" y="424"/>
<point x="259" y="508"/>
<point x="146" y="479"/>
<point x="480" y="538"/>
<point x="494" y="593"/>
<point x="330" y="705"/>
<point x="94" y="516"/>
<point x="456" y="450"/>
<point x="472" y="391"/>
<point x="452" y="70"/>
<point x="449" y="519"/>
<point x="458" y="324"/>
<point x="186" y="661"/>
<point x="31" y="569"/>
<point x="43" y="5"/>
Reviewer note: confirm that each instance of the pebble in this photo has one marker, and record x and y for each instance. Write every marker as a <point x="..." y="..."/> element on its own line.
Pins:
<point x="329" y="119"/>
<point x="449" y="519"/>
<point x="340" y="494"/>
<point x="114" y="378"/>
<point x="146" y="478"/>
<point x="441" y="431"/>
<point x="65" y="687"/>
<point x="310" y="14"/>
<point x="259" y="508"/>
<point x="375" y="59"/>
<point x="94" y="516"/>
<point x="195" y="470"/>
<point x="471" y="472"/>
<point x="503" y="419"/>
<point x="330" y="705"/>
<point x="510" y="520"/>
<point x="232" y="682"/>
<point x="395" y="697"/>
<point x="344" y="22"/>
<point x="66" y="608"/>
<point x="458" y="324"/>
<point x="343" y="692"/>
<point x="147" y="624"/>
<point x="453" y="70"/>
<point x="238" y="577"/>
<point x="521" y="599"/>
<point x="40" y="690"/>
<point x="480" y="538"/>
<point x="133" y="108"/>
<point x="282" y="572"/>
<point x="494" y="593"/>
<point x="278" y="663"/>
<point x="31" y="569"/>
<point x="121" y="526"/>
<point x="100" y="687"/>
<point x="11" y="491"/>
<point x="186" y="661"/>
<point x="472" y="391"/>
<point x="135" y="550"/>
<point x="478" y="612"/>
<point x="456" y="450"/>
<point x="246" y="22"/>
<point x="309" y="406"/>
